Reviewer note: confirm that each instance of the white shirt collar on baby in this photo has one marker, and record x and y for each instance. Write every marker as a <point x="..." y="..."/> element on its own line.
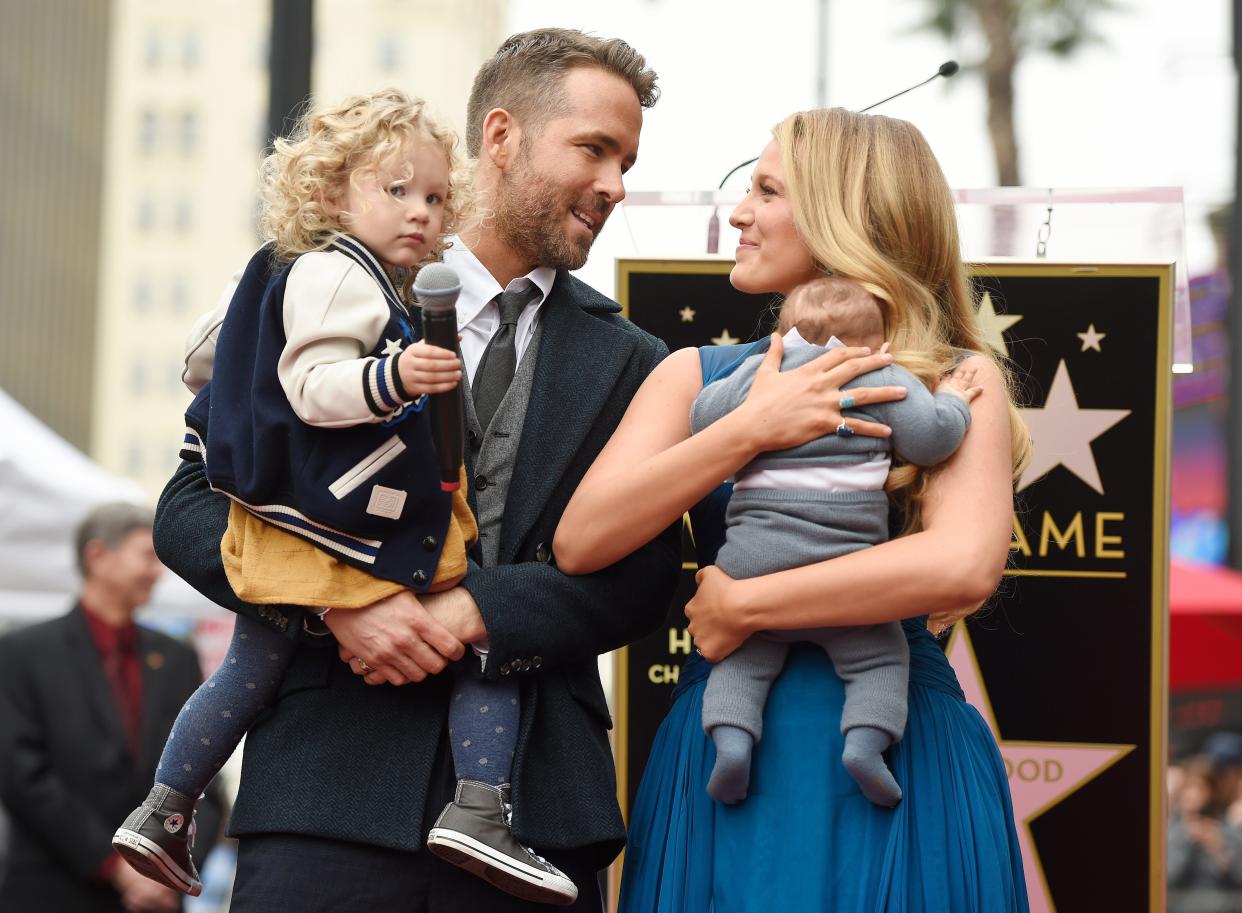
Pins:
<point x="793" y="340"/>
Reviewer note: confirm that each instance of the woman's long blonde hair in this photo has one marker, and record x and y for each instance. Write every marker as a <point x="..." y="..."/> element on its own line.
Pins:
<point x="872" y="205"/>
<point x="332" y="148"/>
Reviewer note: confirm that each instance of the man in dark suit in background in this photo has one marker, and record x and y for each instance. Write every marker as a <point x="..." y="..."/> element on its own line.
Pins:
<point x="341" y="782"/>
<point x="86" y="702"/>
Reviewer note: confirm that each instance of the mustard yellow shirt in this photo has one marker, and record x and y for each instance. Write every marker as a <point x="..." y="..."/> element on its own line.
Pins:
<point x="267" y="566"/>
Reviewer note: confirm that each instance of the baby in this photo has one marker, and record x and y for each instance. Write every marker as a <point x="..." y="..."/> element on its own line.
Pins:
<point x="817" y="501"/>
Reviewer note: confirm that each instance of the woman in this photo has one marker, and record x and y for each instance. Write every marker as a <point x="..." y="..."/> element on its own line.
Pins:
<point x="863" y="197"/>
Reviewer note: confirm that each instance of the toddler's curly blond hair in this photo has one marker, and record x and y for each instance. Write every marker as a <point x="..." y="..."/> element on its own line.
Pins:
<point x="336" y="146"/>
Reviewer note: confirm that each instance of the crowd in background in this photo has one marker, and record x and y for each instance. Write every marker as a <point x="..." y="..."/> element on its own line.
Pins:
<point x="1205" y="828"/>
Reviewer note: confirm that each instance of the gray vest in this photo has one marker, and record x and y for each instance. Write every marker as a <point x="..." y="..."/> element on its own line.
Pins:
<point x="495" y="450"/>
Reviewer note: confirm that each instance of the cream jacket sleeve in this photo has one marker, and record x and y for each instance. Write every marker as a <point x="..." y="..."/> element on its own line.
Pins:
<point x="334" y="316"/>
<point x="200" y="347"/>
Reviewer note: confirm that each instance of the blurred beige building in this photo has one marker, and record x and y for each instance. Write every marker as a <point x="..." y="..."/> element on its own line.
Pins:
<point x="136" y="133"/>
<point x="53" y="88"/>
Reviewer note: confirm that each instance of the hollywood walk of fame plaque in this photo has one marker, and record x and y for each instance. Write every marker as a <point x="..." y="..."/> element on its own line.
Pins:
<point x="1068" y="661"/>
<point x="1070" y="657"/>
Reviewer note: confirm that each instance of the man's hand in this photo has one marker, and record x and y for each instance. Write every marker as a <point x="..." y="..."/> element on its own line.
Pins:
<point x="456" y="610"/>
<point x="140" y="894"/>
<point x="393" y="641"/>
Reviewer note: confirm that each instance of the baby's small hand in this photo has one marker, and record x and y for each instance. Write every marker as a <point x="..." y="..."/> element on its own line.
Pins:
<point x="428" y="369"/>
<point x="961" y="383"/>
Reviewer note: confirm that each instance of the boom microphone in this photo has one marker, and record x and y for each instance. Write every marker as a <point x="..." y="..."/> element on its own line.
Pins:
<point x="947" y="69"/>
<point x="436" y="287"/>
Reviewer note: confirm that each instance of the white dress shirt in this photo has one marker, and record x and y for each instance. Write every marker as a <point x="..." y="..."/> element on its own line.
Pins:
<point x="478" y="315"/>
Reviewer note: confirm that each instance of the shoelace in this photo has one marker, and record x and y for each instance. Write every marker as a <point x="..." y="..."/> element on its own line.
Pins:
<point x="508" y="808"/>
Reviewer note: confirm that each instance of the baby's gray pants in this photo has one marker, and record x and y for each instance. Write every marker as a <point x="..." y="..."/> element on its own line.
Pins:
<point x="770" y="531"/>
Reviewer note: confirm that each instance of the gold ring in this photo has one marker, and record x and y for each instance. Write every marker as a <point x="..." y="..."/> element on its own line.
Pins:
<point x="362" y="665"/>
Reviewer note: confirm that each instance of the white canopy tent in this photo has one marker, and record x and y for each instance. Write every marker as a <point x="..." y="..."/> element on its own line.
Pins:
<point x="46" y="488"/>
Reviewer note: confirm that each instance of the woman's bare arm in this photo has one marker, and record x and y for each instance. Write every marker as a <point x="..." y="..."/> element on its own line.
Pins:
<point x="653" y="470"/>
<point x="955" y="561"/>
<point x="642" y="481"/>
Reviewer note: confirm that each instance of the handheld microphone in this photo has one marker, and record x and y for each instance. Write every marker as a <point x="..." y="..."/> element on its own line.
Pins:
<point x="436" y="287"/>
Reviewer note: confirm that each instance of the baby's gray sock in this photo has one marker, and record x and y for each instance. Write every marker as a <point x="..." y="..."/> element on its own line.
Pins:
<point x="731" y="775"/>
<point x="864" y="759"/>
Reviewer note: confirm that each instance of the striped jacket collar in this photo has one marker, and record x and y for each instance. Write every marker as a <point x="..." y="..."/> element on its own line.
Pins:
<point x="357" y="251"/>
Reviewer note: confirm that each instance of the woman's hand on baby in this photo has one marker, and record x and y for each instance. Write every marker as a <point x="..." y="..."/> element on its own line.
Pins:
<point x="960" y="383"/>
<point x="428" y="369"/>
<point x="716" y="624"/>
<point x="787" y="408"/>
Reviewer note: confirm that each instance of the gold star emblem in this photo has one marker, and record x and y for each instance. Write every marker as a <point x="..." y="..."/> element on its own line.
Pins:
<point x="994" y="325"/>
<point x="1091" y="339"/>
<point x="393" y="347"/>
<point x="687" y="314"/>
<point x="1061" y="434"/>
<point x="725" y="338"/>
<point x="1041" y="774"/>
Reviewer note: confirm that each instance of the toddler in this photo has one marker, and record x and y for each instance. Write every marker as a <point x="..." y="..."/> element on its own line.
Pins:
<point x="311" y="385"/>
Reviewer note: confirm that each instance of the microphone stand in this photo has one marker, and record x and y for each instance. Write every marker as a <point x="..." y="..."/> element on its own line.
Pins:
<point x="947" y="69"/>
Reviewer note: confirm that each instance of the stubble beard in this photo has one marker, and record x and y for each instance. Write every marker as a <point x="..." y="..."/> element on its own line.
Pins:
<point x="529" y="210"/>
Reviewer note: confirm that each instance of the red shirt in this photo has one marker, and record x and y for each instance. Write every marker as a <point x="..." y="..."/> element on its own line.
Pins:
<point x="118" y="651"/>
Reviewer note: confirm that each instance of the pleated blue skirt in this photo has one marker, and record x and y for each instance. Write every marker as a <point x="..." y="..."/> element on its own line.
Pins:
<point x="806" y="839"/>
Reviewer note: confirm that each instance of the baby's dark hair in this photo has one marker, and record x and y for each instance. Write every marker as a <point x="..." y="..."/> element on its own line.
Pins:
<point x="833" y="306"/>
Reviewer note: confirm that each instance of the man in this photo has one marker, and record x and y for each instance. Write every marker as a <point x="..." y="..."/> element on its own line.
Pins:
<point x="341" y="783"/>
<point x="86" y="701"/>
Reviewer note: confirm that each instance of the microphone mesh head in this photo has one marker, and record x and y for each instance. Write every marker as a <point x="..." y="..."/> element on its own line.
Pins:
<point x="436" y="278"/>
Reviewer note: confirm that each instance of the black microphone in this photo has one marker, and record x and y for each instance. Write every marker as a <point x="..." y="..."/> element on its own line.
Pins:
<point x="436" y="287"/>
<point x="947" y="69"/>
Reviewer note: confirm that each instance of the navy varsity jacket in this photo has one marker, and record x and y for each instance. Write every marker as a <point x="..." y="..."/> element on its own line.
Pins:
<point x="368" y="494"/>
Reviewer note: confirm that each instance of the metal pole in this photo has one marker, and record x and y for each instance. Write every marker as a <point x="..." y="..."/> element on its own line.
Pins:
<point x="821" y="53"/>
<point x="289" y="64"/>
<point x="1234" y="267"/>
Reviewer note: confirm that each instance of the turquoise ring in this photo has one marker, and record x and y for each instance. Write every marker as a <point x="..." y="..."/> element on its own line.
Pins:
<point x="847" y="402"/>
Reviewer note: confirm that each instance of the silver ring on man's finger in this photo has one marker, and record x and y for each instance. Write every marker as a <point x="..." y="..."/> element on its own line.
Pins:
<point x="844" y="430"/>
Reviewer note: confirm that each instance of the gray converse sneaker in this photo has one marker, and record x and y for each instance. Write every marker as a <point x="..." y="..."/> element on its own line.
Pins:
<point x="157" y="837"/>
<point x="473" y="832"/>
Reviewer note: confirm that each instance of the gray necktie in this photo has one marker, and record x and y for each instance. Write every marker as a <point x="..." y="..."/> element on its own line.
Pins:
<point x="499" y="362"/>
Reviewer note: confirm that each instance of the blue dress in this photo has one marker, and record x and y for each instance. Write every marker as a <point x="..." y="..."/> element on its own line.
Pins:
<point x="805" y="839"/>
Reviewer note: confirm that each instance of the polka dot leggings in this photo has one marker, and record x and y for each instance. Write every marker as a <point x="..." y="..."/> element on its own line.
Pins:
<point x="218" y="714"/>
<point x="483" y="727"/>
